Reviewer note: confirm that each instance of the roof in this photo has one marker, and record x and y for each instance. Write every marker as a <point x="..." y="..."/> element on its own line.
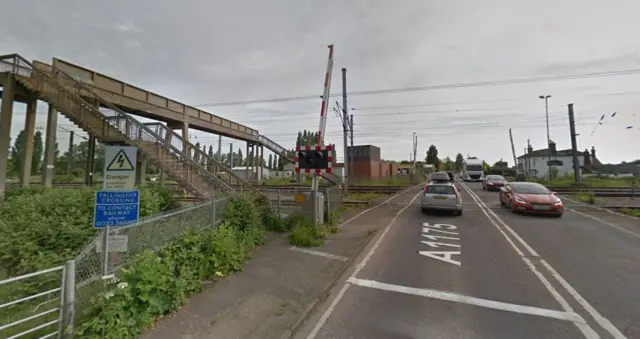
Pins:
<point x="545" y="153"/>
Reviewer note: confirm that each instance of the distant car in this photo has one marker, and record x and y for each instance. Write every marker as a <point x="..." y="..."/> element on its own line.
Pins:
<point x="439" y="177"/>
<point x="451" y="175"/>
<point x="493" y="182"/>
<point x="441" y="196"/>
<point x="530" y="197"/>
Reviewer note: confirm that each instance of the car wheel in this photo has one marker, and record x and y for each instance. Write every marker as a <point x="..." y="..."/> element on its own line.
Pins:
<point x="501" y="202"/>
<point x="484" y="188"/>
<point x="459" y="213"/>
<point x="424" y="210"/>
<point x="558" y="215"/>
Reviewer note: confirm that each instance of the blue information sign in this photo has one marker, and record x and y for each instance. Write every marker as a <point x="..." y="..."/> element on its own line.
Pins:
<point x="116" y="208"/>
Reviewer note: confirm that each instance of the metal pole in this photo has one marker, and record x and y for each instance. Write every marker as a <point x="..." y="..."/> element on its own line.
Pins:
<point x="105" y="251"/>
<point x="68" y="299"/>
<point x="574" y="145"/>
<point x="70" y="153"/>
<point x="230" y="156"/>
<point x="345" y="130"/>
<point x="351" y="154"/>
<point x="546" y="108"/>
<point x="513" y="151"/>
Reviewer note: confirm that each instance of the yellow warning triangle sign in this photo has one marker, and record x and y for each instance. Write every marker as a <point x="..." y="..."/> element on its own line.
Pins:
<point x="120" y="162"/>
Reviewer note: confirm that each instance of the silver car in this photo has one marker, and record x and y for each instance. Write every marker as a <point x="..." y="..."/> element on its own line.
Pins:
<point x="442" y="196"/>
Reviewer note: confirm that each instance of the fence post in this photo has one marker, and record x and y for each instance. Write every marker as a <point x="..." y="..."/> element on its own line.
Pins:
<point x="68" y="300"/>
<point x="215" y="215"/>
<point x="279" y="212"/>
<point x="326" y="198"/>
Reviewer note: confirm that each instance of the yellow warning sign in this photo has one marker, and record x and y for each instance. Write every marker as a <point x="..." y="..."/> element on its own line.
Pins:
<point x="299" y="197"/>
<point x="120" y="162"/>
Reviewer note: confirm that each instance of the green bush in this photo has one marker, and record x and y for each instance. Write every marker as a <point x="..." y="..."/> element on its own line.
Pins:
<point x="158" y="283"/>
<point x="305" y="234"/>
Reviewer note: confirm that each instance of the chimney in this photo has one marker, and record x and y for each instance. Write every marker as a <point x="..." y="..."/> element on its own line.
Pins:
<point x="529" y="149"/>
<point x="587" y="159"/>
<point x="552" y="147"/>
<point x="593" y="154"/>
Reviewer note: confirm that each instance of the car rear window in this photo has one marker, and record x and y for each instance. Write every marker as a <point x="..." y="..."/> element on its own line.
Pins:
<point x="440" y="189"/>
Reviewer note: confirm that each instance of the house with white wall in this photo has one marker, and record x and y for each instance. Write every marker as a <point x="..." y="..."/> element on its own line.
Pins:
<point x="537" y="161"/>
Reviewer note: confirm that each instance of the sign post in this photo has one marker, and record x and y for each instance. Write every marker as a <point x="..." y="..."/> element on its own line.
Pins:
<point x="118" y="203"/>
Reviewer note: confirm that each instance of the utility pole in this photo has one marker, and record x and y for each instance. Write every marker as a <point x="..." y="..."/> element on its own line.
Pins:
<point x="528" y="157"/>
<point x="513" y="151"/>
<point x="526" y="164"/>
<point x="351" y="155"/>
<point x="574" y="145"/>
<point x="415" y="149"/>
<point x="345" y="130"/>
<point x="546" y="108"/>
<point x="70" y="153"/>
<point x="230" y="156"/>
<point x="219" y="148"/>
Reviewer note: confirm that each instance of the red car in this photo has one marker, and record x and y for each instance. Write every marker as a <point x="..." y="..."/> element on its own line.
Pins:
<point x="530" y="197"/>
<point x="493" y="182"/>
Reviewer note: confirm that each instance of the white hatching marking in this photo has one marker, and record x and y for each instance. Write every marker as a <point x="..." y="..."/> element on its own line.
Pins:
<point x="318" y="253"/>
<point x="585" y="328"/>
<point x="606" y="223"/>
<point x="336" y="300"/>
<point x="463" y="299"/>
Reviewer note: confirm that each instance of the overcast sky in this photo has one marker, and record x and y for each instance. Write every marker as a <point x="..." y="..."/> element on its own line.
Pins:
<point x="205" y="52"/>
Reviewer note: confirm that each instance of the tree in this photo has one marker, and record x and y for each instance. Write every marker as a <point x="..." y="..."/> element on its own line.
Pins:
<point x="240" y="160"/>
<point x="196" y="155"/>
<point x="449" y="165"/>
<point x="432" y="157"/>
<point x="17" y="152"/>
<point x="270" y="163"/>
<point x="459" y="161"/>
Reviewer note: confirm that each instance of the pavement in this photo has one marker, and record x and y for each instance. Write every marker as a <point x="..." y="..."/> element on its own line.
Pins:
<point x="280" y="285"/>
<point x="488" y="274"/>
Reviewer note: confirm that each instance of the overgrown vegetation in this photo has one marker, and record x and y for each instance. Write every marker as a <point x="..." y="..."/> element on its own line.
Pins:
<point x="42" y="228"/>
<point x="365" y="196"/>
<point x="393" y="181"/>
<point x="631" y="212"/>
<point x="587" y="181"/>
<point x="158" y="283"/>
<point x="586" y="197"/>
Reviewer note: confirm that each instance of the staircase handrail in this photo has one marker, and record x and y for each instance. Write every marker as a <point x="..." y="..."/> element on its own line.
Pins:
<point x="52" y="81"/>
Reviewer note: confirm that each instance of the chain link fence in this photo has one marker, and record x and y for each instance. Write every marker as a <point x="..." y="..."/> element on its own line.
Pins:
<point x="125" y="243"/>
<point x="291" y="200"/>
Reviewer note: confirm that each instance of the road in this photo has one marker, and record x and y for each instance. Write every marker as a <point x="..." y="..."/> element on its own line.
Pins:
<point x="489" y="274"/>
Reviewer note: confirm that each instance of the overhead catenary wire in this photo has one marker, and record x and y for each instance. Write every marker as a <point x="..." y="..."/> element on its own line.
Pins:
<point x="435" y="87"/>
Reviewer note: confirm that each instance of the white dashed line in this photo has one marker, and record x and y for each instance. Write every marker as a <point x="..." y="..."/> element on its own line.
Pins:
<point x="318" y="253"/>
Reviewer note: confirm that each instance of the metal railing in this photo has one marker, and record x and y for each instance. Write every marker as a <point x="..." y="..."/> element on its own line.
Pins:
<point x="198" y="154"/>
<point x="26" y="319"/>
<point x="130" y="128"/>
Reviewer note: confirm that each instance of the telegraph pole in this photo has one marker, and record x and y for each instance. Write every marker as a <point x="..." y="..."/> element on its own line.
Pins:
<point x="574" y="145"/>
<point x="70" y="155"/>
<point x="513" y="151"/>
<point x="415" y="150"/>
<point x="345" y="130"/>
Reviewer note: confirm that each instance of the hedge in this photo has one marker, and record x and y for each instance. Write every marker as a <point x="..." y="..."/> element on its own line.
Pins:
<point x="158" y="283"/>
<point x="40" y="227"/>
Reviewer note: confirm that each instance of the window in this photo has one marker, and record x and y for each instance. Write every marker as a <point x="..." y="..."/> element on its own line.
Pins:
<point x="440" y="189"/>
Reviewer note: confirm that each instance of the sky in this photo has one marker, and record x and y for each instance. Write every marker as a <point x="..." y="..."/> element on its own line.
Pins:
<point x="205" y="53"/>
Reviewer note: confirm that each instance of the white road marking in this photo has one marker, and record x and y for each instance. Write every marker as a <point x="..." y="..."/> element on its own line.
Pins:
<point x="359" y="267"/>
<point x="380" y="204"/>
<point x="606" y="223"/>
<point x="442" y="256"/>
<point x="579" y="203"/>
<point x="585" y="328"/>
<point x="463" y="299"/>
<point x="318" y="253"/>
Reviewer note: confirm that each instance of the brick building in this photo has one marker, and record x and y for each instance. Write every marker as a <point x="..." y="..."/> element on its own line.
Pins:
<point x="367" y="163"/>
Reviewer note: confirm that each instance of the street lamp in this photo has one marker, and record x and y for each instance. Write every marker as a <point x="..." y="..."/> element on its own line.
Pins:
<point x="546" y="108"/>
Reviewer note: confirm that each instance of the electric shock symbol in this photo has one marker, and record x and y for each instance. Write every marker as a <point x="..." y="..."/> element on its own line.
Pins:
<point x="120" y="162"/>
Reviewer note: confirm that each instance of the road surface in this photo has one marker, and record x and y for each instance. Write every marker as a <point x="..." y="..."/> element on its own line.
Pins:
<point x="489" y="274"/>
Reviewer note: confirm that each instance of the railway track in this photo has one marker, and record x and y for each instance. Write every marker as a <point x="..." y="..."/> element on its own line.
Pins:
<point x="597" y="191"/>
